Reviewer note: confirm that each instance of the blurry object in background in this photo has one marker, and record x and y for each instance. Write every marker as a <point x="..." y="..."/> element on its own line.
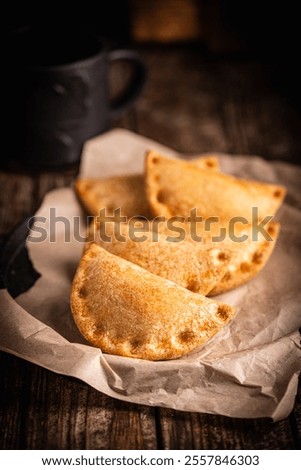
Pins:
<point x="58" y="94"/>
<point x="223" y="29"/>
<point x="222" y="26"/>
<point x="183" y="21"/>
<point x="165" y="21"/>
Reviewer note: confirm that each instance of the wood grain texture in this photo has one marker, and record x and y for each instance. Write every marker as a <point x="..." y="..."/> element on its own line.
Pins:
<point x="16" y="199"/>
<point x="193" y="105"/>
<point x="200" y="431"/>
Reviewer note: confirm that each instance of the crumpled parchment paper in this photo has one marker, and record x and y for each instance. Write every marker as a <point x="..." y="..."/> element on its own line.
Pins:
<point x="249" y="369"/>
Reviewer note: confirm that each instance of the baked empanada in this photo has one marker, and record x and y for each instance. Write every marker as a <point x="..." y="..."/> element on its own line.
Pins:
<point x="124" y="309"/>
<point x="124" y="192"/>
<point x="175" y="187"/>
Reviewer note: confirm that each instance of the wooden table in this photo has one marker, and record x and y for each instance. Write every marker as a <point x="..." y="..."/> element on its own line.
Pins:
<point x="193" y="104"/>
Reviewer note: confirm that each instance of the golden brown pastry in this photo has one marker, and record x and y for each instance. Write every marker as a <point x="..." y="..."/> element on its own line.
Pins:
<point x="195" y="266"/>
<point x="175" y="187"/>
<point x="249" y="257"/>
<point x="126" y="310"/>
<point x="124" y="192"/>
<point x="250" y="249"/>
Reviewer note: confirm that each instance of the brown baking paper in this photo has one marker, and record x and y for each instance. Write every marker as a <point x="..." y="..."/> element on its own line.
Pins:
<point x="249" y="369"/>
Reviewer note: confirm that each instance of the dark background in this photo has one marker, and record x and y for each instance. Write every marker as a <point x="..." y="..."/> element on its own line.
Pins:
<point x="266" y="32"/>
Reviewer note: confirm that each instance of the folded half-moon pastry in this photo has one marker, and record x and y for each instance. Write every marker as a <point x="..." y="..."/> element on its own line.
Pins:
<point x="124" y="309"/>
<point x="197" y="267"/>
<point x="175" y="187"/>
<point x="125" y="192"/>
<point x="248" y="257"/>
<point x="249" y="248"/>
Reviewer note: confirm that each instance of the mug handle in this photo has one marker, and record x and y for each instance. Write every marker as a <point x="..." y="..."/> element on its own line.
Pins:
<point x="131" y="93"/>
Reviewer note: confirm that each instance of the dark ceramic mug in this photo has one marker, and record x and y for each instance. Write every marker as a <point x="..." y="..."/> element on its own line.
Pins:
<point x="58" y="95"/>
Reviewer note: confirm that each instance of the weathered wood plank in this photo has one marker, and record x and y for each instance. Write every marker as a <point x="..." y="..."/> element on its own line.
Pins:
<point x="12" y="385"/>
<point x="16" y="199"/>
<point x="133" y="427"/>
<point x="201" y="431"/>
<point x="197" y="105"/>
<point x="295" y="419"/>
<point x="43" y="410"/>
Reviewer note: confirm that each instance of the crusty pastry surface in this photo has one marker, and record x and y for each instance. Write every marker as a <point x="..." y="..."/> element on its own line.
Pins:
<point x="126" y="310"/>
<point x="197" y="267"/>
<point x="250" y="257"/>
<point x="175" y="187"/>
<point x="249" y="249"/>
<point x="124" y="192"/>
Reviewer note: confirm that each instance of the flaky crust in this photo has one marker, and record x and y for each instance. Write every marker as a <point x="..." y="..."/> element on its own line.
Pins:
<point x="126" y="310"/>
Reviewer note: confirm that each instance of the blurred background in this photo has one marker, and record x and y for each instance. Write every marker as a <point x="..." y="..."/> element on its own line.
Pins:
<point x="223" y="26"/>
<point x="214" y="64"/>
